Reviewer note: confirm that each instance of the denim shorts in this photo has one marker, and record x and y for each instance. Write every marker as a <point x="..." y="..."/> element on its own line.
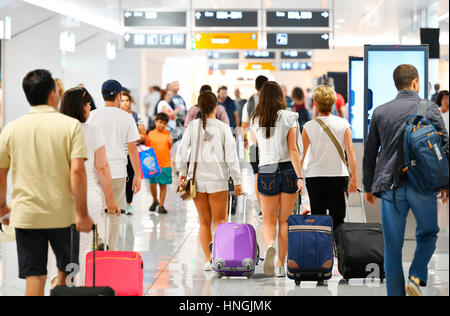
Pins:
<point x="277" y="179"/>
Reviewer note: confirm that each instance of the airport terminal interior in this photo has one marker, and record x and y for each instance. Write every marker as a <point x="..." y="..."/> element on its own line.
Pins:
<point x="156" y="43"/>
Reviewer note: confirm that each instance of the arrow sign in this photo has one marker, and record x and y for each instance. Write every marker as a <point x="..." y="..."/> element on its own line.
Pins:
<point x="127" y="37"/>
<point x="128" y="14"/>
<point x="325" y="14"/>
<point x="198" y="15"/>
<point x="325" y="36"/>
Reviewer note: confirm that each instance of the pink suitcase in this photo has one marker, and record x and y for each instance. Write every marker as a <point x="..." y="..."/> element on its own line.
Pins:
<point x="123" y="271"/>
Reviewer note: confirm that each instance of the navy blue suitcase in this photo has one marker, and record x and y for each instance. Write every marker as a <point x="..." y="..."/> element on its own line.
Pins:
<point x="310" y="248"/>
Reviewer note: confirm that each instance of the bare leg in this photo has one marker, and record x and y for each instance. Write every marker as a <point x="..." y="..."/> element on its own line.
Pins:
<point x="287" y="203"/>
<point x="154" y="191"/>
<point x="269" y="208"/>
<point x="204" y="214"/>
<point x="35" y="286"/>
<point x="162" y="194"/>
<point x="218" y="203"/>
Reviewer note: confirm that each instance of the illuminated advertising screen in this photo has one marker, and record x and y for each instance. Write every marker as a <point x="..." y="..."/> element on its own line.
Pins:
<point x="356" y="97"/>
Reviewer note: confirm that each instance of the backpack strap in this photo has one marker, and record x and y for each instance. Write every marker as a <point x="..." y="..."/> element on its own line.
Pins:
<point x="422" y="108"/>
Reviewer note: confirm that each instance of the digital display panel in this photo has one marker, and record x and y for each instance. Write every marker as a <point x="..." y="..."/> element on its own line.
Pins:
<point x="298" y="40"/>
<point x="260" y="54"/>
<point x="221" y="18"/>
<point x="293" y="54"/>
<point x="379" y="65"/>
<point x="356" y="97"/>
<point x="154" y="19"/>
<point x="305" y="18"/>
<point x="221" y="55"/>
<point x="155" y="40"/>
<point x="295" y="66"/>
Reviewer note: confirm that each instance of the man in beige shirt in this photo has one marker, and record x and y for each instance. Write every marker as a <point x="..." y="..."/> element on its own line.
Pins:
<point x="45" y="152"/>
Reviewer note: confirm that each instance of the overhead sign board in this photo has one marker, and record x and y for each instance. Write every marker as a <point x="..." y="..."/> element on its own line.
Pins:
<point x="155" y="40"/>
<point x="295" y="66"/>
<point x="222" y="18"/>
<point x="260" y="66"/>
<point x="295" y="18"/>
<point x="154" y="19"/>
<point x="223" y="55"/>
<point x="218" y="66"/>
<point x="259" y="54"/>
<point x="226" y="41"/>
<point x="298" y="40"/>
<point x="293" y="54"/>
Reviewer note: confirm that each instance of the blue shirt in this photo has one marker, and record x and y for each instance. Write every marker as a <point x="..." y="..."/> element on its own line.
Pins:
<point x="230" y="108"/>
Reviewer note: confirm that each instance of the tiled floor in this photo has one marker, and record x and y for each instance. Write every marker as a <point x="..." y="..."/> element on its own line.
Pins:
<point x="173" y="260"/>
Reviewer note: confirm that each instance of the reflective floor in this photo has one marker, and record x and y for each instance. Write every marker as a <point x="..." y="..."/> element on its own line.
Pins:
<point x="173" y="259"/>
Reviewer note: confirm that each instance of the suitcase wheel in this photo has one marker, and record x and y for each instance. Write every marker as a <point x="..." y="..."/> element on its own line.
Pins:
<point x="219" y="275"/>
<point x="219" y="266"/>
<point x="320" y="282"/>
<point x="297" y="282"/>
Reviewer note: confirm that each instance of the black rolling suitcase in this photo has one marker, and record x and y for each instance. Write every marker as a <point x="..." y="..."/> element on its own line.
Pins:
<point x="83" y="291"/>
<point x="360" y="248"/>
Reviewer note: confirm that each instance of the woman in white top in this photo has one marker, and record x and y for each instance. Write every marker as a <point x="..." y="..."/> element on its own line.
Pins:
<point x="217" y="158"/>
<point x="280" y="174"/>
<point x="76" y="103"/>
<point x="326" y="173"/>
<point x="164" y="107"/>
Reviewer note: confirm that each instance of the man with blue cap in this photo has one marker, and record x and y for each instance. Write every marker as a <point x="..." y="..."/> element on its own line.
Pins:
<point x="121" y="135"/>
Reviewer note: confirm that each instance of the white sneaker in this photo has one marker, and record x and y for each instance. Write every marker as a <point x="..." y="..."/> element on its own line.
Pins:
<point x="207" y="267"/>
<point x="269" y="261"/>
<point x="281" y="272"/>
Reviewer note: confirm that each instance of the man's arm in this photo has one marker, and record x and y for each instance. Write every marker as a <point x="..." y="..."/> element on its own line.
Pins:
<point x="78" y="182"/>
<point x="4" y="209"/>
<point x="434" y="115"/>
<point x="370" y="156"/>
<point x="135" y="162"/>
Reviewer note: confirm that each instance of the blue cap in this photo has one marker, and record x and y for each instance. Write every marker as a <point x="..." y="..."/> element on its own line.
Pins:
<point x="112" y="87"/>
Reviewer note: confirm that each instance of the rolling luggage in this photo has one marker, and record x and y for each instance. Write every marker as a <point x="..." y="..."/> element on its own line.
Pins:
<point x="360" y="248"/>
<point x="83" y="291"/>
<point x="123" y="271"/>
<point x="235" y="249"/>
<point x="310" y="247"/>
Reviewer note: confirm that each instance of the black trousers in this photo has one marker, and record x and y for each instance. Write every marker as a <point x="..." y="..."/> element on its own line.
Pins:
<point x="129" y="187"/>
<point x="328" y="194"/>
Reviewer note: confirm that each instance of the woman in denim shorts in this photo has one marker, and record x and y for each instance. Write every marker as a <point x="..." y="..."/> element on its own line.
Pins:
<point x="280" y="177"/>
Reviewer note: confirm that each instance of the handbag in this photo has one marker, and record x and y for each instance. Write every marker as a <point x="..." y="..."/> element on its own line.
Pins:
<point x="149" y="164"/>
<point x="188" y="190"/>
<point x="336" y="144"/>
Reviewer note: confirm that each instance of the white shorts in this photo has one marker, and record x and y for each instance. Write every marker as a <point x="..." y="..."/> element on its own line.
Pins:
<point x="210" y="187"/>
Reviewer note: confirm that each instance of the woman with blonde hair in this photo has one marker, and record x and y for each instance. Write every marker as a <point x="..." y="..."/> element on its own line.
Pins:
<point x="326" y="169"/>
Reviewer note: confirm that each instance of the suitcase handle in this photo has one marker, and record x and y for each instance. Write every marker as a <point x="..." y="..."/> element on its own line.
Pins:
<point x="244" y="194"/>
<point x="299" y="203"/>
<point x="363" y="207"/>
<point x="73" y="228"/>
<point x="105" y="240"/>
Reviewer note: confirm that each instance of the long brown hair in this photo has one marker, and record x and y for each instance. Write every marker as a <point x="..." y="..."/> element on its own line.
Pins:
<point x="207" y="102"/>
<point x="271" y="100"/>
<point x="73" y="102"/>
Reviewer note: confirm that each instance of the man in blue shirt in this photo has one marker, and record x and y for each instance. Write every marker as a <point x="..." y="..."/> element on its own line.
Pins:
<point x="177" y="102"/>
<point x="230" y="106"/>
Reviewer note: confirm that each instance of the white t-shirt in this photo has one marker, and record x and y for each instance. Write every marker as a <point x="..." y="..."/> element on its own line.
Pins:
<point x="94" y="140"/>
<point x="119" y="129"/>
<point x="275" y="149"/>
<point x="322" y="158"/>
<point x="445" y="117"/>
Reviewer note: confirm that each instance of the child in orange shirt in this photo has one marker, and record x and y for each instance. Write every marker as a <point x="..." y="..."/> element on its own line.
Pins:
<point x="161" y="141"/>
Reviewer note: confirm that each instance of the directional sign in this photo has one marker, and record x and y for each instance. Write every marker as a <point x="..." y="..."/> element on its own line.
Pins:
<point x="296" y="55"/>
<point x="217" y="66"/>
<point x="260" y="66"/>
<point x="221" y="55"/>
<point x="226" y="41"/>
<point x="259" y="55"/>
<point x="295" y="66"/>
<point x="155" y="19"/>
<point x="155" y="40"/>
<point x="304" y="18"/>
<point x="298" y="40"/>
<point x="221" y="18"/>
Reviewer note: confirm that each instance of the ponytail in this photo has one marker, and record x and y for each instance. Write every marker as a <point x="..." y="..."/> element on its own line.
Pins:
<point x="207" y="102"/>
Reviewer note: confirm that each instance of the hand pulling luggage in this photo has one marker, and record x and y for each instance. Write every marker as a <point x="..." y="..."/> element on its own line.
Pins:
<point x="310" y="247"/>
<point x="120" y="270"/>
<point x="83" y="291"/>
<point x="235" y="249"/>
<point x="360" y="248"/>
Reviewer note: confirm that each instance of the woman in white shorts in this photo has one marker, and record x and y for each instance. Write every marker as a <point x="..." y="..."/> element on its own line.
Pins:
<point x="217" y="158"/>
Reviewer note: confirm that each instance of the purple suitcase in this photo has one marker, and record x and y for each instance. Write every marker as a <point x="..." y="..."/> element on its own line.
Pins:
<point x="235" y="251"/>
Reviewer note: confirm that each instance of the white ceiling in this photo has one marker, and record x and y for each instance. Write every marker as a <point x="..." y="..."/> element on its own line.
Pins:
<point x="357" y="22"/>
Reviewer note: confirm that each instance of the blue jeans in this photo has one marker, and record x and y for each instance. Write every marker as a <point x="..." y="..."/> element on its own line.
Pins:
<point x="424" y="208"/>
